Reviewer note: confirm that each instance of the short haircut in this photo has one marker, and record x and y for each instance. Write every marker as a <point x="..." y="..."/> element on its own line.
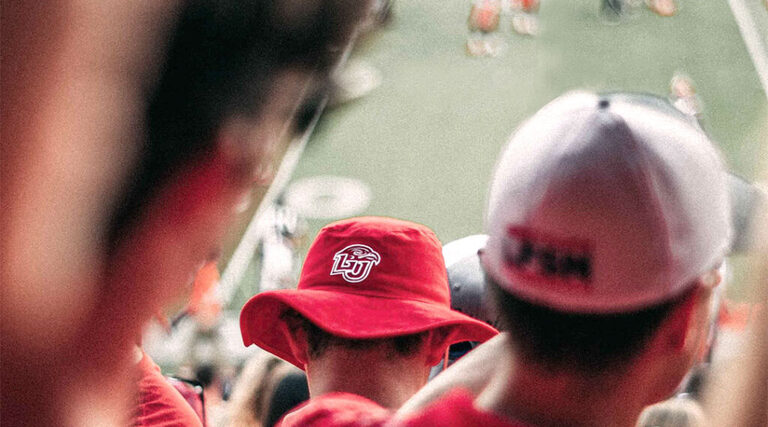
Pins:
<point x="221" y="60"/>
<point x="576" y="342"/>
<point x="320" y="340"/>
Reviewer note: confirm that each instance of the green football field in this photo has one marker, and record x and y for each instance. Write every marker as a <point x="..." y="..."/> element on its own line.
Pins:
<point x="425" y="141"/>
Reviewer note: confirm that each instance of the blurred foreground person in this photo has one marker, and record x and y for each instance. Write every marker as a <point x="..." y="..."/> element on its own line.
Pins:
<point x="124" y="170"/>
<point x="607" y="222"/>
<point x="736" y="395"/>
<point x="369" y="319"/>
<point x="160" y="403"/>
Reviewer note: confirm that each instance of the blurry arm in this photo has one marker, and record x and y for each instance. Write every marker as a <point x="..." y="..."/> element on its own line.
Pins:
<point x="737" y="394"/>
<point x="472" y="372"/>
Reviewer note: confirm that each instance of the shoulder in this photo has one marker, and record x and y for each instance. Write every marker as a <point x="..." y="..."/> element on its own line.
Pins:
<point x="338" y="410"/>
<point x="159" y="403"/>
<point x="456" y="409"/>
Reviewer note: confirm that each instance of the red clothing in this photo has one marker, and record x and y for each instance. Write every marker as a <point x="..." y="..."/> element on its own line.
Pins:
<point x="338" y="410"/>
<point x="189" y="394"/>
<point x="159" y="403"/>
<point x="457" y="409"/>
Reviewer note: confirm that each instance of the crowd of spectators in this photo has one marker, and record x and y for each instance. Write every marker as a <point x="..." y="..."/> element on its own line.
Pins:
<point x="608" y="224"/>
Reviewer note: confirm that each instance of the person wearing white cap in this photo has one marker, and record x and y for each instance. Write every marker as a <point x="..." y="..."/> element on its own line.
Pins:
<point x="608" y="217"/>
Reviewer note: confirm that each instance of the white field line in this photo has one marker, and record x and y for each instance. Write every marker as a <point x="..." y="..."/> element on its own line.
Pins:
<point x="756" y="45"/>
<point x="243" y="255"/>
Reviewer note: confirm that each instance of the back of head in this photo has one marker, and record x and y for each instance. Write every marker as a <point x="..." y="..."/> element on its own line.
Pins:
<point x="367" y="281"/>
<point x="465" y="278"/>
<point x="252" y="402"/>
<point x="206" y="374"/>
<point x="319" y="341"/>
<point x="603" y="213"/>
<point x="290" y="391"/>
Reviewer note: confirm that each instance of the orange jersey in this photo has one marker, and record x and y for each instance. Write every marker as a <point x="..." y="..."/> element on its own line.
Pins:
<point x="484" y="16"/>
<point x="203" y="303"/>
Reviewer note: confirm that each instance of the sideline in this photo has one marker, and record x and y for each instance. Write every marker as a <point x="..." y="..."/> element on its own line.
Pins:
<point x="756" y="45"/>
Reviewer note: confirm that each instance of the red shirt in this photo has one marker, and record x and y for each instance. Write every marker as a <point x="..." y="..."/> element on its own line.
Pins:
<point x="338" y="410"/>
<point x="457" y="409"/>
<point x="159" y="403"/>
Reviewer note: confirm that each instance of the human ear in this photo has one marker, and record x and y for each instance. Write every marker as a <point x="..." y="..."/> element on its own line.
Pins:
<point x="435" y="344"/>
<point x="298" y="340"/>
<point x="687" y="325"/>
<point x="673" y="332"/>
<point x="681" y="322"/>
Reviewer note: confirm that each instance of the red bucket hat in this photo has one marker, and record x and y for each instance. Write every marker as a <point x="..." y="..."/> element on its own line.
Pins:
<point x="364" y="278"/>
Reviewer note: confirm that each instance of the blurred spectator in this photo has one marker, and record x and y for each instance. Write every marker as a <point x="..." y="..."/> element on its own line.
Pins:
<point x="266" y="389"/>
<point x="130" y="132"/>
<point x="289" y="392"/>
<point x="736" y="393"/>
<point x="370" y="316"/>
<point x="160" y="404"/>
<point x="468" y="293"/>
<point x="282" y="232"/>
<point x="192" y="392"/>
<point x="607" y="222"/>
<point x="210" y="379"/>
<point x="728" y="318"/>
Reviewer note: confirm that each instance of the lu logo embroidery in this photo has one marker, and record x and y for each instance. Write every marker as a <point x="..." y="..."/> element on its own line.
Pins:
<point x="354" y="262"/>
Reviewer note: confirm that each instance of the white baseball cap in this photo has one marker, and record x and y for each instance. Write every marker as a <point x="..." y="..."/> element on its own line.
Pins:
<point x="605" y="204"/>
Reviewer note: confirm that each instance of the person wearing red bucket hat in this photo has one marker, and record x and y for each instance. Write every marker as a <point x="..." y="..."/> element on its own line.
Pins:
<point x="371" y="313"/>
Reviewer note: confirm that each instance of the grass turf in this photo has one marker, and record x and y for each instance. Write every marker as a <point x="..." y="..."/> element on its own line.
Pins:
<point x="426" y="140"/>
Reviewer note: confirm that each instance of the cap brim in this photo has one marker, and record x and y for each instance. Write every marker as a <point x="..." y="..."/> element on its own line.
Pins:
<point x="349" y="316"/>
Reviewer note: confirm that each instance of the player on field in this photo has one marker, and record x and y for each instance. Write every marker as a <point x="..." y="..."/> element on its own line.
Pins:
<point x="524" y="13"/>
<point x="662" y="7"/>
<point x="483" y="22"/>
<point x="682" y="94"/>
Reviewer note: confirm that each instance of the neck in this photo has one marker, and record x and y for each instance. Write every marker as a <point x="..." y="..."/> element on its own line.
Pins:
<point x="534" y="395"/>
<point x="388" y="381"/>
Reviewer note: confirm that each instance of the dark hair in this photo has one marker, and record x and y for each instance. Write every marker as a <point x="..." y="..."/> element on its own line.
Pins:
<point x="289" y="392"/>
<point x="320" y="340"/>
<point x="205" y="374"/>
<point x="221" y="59"/>
<point x="576" y="342"/>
